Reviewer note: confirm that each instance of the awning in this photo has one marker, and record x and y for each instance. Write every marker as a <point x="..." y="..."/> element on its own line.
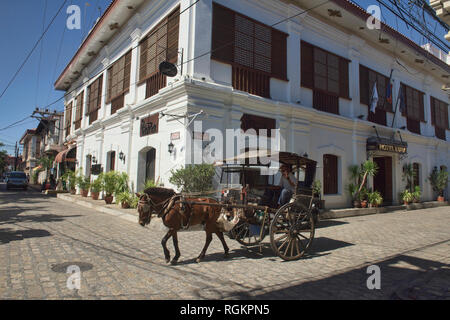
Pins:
<point x="62" y="156"/>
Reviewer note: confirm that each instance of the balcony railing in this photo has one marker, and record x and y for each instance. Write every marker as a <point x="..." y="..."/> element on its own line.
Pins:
<point x="251" y="81"/>
<point x="325" y="102"/>
<point x="154" y="84"/>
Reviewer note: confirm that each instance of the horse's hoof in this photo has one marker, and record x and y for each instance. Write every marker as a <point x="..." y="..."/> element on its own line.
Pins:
<point x="167" y="260"/>
<point x="174" y="262"/>
<point x="226" y="255"/>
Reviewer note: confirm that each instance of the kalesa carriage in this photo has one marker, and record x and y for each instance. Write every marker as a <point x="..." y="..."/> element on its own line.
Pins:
<point x="246" y="209"/>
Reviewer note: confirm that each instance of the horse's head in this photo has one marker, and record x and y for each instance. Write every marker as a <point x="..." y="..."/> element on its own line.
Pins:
<point x="152" y="201"/>
<point x="144" y="209"/>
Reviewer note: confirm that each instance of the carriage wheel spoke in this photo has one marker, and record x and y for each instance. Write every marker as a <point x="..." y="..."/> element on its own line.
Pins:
<point x="301" y="243"/>
<point x="296" y="245"/>
<point x="281" y="238"/>
<point x="287" y="248"/>
<point x="306" y="238"/>
<point x="282" y="245"/>
<point x="292" y="248"/>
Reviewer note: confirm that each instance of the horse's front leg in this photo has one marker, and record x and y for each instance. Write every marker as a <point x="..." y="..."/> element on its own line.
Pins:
<point x="164" y="245"/>
<point x="222" y="239"/>
<point x="177" y="249"/>
<point x="208" y="241"/>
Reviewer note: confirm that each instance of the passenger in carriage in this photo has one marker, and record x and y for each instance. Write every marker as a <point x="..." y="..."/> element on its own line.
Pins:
<point x="287" y="184"/>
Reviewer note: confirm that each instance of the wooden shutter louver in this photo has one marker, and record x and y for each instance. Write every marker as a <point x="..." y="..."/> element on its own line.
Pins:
<point x="68" y="122"/>
<point x="223" y="34"/>
<point x="279" y="54"/>
<point x="79" y="110"/>
<point x="433" y="110"/>
<point x="307" y="65"/>
<point x="255" y="51"/>
<point x="161" y="44"/>
<point x="364" y="85"/>
<point x="95" y="99"/>
<point x="343" y="78"/>
<point x="119" y="77"/>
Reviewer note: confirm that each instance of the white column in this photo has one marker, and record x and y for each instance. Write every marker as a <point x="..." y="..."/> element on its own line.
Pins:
<point x="134" y="74"/>
<point x="102" y="113"/>
<point x="293" y="59"/>
<point x="201" y="41"/>
<point x="427" y="106"/>
<point x="354" y="82"/>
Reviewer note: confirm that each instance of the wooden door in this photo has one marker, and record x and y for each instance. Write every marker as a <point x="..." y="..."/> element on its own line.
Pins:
<point x="382" y="181"/>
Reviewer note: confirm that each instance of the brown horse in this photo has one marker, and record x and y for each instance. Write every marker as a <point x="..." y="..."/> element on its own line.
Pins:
<point x="177" y="214"/>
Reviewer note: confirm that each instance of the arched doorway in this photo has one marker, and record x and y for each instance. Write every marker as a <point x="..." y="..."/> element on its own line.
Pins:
<point x="150" y="158"/>
<point x="146" y="166"/>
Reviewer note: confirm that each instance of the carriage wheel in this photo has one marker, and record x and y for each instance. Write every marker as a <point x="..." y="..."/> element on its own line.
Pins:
<point x="292" y="231"/>
<point x="243" y="232"/>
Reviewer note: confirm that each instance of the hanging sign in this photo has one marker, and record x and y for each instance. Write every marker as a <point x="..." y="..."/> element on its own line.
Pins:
<point x="149" y="125"/>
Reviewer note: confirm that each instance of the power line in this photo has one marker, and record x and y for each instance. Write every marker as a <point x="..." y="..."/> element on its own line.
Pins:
<point x="40" y="55"/>
<point x="32" y="50"/>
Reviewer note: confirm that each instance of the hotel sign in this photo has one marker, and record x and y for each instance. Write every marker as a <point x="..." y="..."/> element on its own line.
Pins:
<point x="150" y="125"/>
<point x="381" y="144"/>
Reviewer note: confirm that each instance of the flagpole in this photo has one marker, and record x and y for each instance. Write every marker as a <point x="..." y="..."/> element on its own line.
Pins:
<point x="385" y="98"/>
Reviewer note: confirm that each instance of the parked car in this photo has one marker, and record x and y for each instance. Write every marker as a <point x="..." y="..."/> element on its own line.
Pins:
<point x="17" y="179"/>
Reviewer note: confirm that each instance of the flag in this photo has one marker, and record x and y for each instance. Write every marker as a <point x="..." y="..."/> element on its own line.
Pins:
<point x="374" y="98"/>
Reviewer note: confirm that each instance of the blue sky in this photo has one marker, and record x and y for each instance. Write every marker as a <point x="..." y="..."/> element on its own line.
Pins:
<point x="21" y="25"/>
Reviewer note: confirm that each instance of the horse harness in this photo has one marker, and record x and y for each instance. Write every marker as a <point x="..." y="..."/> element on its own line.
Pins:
<point x="168" y="204"/>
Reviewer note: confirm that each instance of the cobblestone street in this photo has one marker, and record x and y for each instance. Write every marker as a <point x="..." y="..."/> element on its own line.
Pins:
<point x="40" y="237"/>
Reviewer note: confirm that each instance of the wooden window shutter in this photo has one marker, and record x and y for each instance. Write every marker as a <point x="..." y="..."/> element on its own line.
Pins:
<point x="279" y="54"/>
<point x="343" y="81"/>
<point x="433" y="110"/>
<point x="223" y="34"/>
<point x="173" y="23"/>
<point x="307" y="65"/>
<point x="403" y="93"/>
<point x="421" y="108"/>
<point x="364" y="85"/>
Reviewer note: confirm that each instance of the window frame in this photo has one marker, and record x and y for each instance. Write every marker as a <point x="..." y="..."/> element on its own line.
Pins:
<point x="94" y="102"/>
<point x="112" y="72"/>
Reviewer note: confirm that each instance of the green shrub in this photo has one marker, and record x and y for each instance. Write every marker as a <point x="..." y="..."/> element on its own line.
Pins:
<point x="83" y="182"/>
<point x="193" y="178"/>
<point x="122" y="183"/>
<point x="438" y="181"/>
<point x="109" y="182"/>
<point x="97" y="185"/>
<point x="124" y="197"/>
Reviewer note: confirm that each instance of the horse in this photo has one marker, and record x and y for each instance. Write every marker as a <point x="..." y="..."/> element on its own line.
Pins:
<point x="177" y="214"/>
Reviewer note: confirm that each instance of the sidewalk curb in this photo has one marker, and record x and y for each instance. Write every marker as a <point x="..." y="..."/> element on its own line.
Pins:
<point x="355" y="212"/>
<point x="155" y="223"/>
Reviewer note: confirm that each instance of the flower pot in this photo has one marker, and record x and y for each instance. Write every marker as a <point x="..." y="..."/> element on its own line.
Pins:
<point x="84" y="193"/>
<point x="405" y="203"/>
<point x="109" y="199"/>
<point x="95" y="195"/>
<point x="73" y="191"/>
<point x="440" y="199"/>
<point x="125" y="205"/>
<point x="364" y="204"/>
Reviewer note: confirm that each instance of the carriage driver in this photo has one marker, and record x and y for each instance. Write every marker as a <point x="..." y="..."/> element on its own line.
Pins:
<point x="287" y="184"/>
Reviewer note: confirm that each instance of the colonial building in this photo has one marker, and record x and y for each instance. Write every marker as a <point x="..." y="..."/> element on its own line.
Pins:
<point x="305" y="68"/>
<point x="31" y="142"/>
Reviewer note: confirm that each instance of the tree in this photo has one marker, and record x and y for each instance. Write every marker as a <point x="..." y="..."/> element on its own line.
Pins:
<point x="47" y="164"/>
<point x="368" y="169"/>
<point x="3" y="159"/>
<point x="193" y="178"/>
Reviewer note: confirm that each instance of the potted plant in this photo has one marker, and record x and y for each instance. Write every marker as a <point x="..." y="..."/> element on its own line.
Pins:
<point x="409" y="174"/>
<point x="363" y="197"/>
<point x="416" y="194"/>
<point x="351" y="188"/>
<point x="375" y="199"/>
<point x="125" y="199"/>
<point x="134" y="201"/>
<point x="83" y="183"/>
<point x="70" y="179"/>
<point x="96" y="187"/>
<point x="407" y="197"/>
<point x="109" y="185"/>
<point x="317" y="189"/>
<point x="439" y="181"/>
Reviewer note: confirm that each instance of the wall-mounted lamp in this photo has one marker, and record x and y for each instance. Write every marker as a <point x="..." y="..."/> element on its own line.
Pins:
<point x="171" y="146"/>
<point x="122" y="156"/>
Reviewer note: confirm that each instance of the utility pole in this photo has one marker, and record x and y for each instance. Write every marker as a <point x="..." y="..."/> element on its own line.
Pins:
<point x="15" y="157"/>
